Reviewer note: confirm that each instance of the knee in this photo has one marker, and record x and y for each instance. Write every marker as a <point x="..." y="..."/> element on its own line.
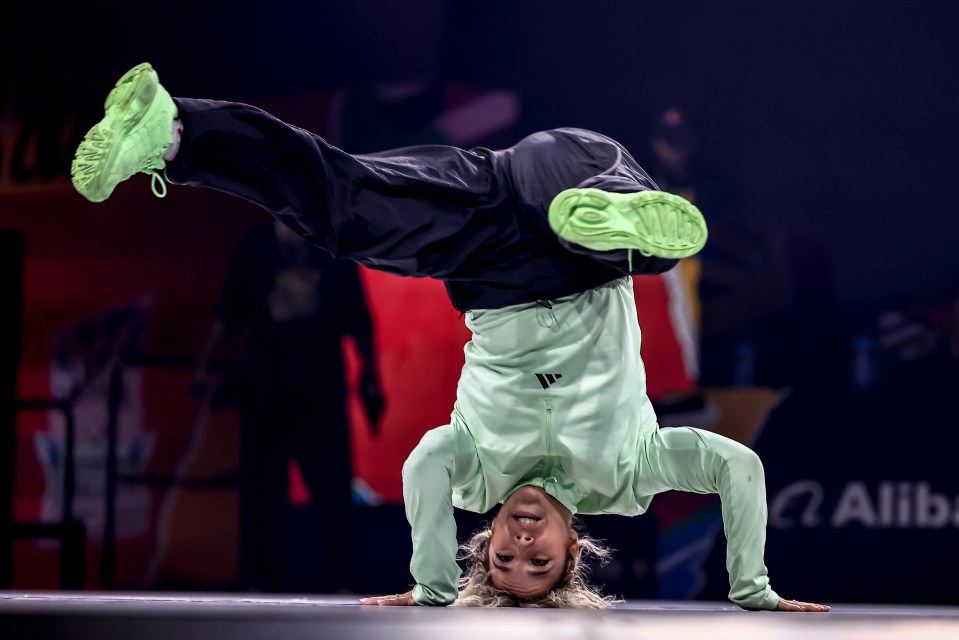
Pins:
<point x="536" y="151"/>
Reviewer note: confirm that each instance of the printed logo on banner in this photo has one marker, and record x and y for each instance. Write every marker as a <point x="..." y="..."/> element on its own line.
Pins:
<point x="84" y="357"/>
<point x="880" y="505"/>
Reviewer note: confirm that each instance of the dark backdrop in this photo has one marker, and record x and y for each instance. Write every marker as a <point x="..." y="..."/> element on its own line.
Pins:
<point x="835" y="119"/>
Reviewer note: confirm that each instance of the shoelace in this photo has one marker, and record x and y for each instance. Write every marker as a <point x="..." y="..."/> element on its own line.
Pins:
<point x="155" y="179"/>
<point x="151" y="166"/>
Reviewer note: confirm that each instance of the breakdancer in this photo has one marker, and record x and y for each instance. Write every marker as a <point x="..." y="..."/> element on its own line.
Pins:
<point x="534" y="244"/>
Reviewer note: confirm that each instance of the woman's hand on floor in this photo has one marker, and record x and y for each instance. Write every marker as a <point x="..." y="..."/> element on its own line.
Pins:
<point x="796" y="605"/>
<point x="396" y="600"/>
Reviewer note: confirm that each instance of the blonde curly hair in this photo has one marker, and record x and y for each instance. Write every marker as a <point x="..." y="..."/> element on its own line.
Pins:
<point x="572" y="591"/>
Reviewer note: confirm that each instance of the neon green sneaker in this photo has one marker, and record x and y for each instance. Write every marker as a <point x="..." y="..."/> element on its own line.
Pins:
<point x="135" y="132"/>
<point x="655" y="223"/>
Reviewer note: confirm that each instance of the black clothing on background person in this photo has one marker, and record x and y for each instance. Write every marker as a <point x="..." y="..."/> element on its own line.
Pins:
<point x="739" y="284"/>
<point x="297" y="303"/>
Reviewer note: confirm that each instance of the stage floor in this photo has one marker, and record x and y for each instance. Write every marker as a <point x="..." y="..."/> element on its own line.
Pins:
<point x="184" y="616"/>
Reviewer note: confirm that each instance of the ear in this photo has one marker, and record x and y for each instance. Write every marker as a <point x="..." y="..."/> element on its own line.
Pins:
<point x="573" y="542"/>
<point x="490" y="532"/>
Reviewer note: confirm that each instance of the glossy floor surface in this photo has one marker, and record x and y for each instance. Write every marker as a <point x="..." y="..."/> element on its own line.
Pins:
<point x="184" y="616"/>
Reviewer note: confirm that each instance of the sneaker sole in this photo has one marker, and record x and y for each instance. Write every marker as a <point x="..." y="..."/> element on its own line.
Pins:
<point x="140" y="81"/>
<point x="654" y="223"/>
<point x="92" y="184"/>
<point x="140" y="85"/>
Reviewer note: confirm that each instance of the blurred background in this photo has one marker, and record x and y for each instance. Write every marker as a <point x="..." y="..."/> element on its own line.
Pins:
<point x="193" y="400"/>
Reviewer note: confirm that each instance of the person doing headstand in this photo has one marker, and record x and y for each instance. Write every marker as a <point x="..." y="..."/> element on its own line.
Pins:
<point x="535" y="244"/>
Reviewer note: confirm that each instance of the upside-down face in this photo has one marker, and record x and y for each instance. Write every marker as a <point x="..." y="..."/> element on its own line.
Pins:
<point x="531" y="543"/>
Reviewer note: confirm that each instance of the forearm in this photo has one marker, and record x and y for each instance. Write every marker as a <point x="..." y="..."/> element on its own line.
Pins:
<point x="427" y="492"/>
<point x="204" y="378"/>
<point x="742" y="490"/>
<point x="365" y="349"/>
<point x="217" y="336"/>
<point x="703" y="462"/>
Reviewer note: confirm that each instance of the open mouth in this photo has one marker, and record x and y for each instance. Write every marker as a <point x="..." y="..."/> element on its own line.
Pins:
<point x="525" y="518"/>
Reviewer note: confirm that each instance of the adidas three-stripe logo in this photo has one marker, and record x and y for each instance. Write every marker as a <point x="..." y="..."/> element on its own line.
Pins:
<point x="546" y="379"/>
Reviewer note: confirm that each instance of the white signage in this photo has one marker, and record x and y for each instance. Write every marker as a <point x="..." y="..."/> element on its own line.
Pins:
<point x="882" y="505"/>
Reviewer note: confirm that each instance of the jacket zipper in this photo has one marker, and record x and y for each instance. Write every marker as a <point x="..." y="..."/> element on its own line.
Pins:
<point x="549" y="426"/>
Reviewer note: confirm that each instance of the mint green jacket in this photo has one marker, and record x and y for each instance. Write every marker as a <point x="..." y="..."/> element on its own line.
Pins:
<point x="590" y="439"/>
